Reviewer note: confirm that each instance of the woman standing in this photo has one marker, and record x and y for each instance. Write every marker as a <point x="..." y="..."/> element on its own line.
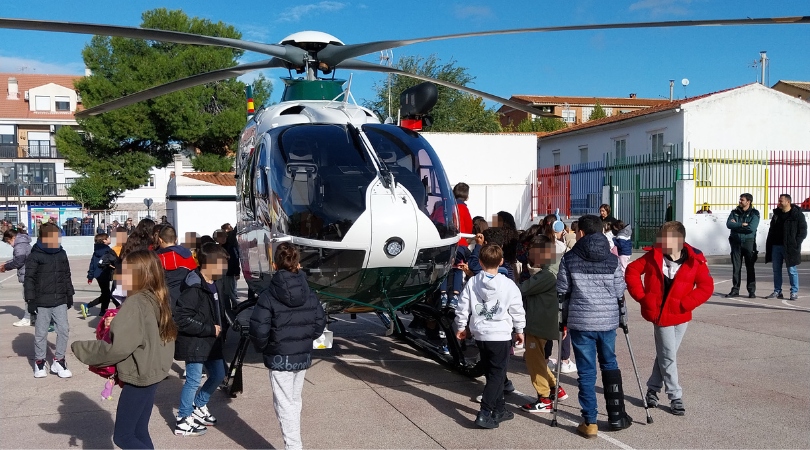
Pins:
<point x="143" y="335"/>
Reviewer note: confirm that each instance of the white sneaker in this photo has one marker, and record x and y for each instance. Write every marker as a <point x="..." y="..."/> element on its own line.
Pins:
<point x="552" y="363"/>
<point x="187" y="426"/>
<point x="59" y="367"/>
<point x="40" y="369"/>
<point x="22" y="323"/>
<point x="203" y="416"/>
<point x="568" y="367"/>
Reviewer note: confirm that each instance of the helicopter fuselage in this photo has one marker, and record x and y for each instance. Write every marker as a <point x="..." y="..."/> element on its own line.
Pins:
<point x="368" y="205"/>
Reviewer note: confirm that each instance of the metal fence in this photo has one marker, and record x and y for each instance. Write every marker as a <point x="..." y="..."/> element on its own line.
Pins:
<point x="34" y="189"/>
<point x="33" y="150"/>
<point x="575" y="189"/>
<point x="721" y="175"/>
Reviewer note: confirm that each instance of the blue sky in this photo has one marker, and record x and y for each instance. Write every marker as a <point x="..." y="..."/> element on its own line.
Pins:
<point x="589" y="63"/>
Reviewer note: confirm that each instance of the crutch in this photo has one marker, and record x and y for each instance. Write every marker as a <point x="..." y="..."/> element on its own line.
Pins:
<point x="560" y="300"/>
<point x="623" y="325"/>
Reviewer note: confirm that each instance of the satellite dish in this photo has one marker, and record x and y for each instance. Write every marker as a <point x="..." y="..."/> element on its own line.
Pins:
<point x="685" y="82"/>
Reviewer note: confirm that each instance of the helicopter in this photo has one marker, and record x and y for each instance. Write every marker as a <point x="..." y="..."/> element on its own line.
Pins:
<point x="368" y="204"/>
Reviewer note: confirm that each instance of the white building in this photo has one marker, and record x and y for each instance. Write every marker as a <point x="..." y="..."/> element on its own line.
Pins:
<point x="709" y="148"/>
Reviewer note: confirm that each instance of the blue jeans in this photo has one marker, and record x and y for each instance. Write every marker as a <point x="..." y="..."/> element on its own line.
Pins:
<point x="189" y="397"/>
<point x="590" y="346"/>
<point x="778" y="257"/>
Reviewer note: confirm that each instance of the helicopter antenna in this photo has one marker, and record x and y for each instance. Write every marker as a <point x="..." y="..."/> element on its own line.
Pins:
<point x="387" y="59"/>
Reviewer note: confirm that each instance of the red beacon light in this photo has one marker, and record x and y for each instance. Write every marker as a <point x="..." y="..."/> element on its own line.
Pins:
<point x="415" y="105"/>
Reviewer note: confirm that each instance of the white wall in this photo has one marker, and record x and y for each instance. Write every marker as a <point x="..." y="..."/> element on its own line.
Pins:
<point x="708" y="232"/>
<point x="496" y="166"/>
<point x="600" y="139"/>
<point x="156" y="193"/>
<point x="52" y="90"/>
<point x="201" y="217"/>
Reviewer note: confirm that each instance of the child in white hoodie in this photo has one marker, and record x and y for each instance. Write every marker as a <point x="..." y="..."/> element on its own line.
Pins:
<point x="493" y="305"/>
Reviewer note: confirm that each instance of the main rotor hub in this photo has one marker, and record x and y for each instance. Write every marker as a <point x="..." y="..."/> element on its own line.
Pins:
<point x="311" y="40"/>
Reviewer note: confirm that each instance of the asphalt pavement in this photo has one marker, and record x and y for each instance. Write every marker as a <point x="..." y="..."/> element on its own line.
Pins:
<point x="743" y="365"/>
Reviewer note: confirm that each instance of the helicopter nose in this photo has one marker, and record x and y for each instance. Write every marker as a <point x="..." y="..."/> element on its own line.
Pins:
<point x="393" y="228"/>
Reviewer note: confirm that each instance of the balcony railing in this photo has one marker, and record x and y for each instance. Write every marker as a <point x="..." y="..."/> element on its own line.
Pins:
<point x="34" y="189"/>
<point x="29" y="151"/>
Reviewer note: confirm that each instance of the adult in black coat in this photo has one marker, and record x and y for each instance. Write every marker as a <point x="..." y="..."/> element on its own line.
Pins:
<point x="787" y="231"/>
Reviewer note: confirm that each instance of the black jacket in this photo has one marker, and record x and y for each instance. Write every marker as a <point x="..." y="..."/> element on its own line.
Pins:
<point x="96" y="269"/>
<point x="47" y="277"/>
<point x="287" y="318"/>
<point x="178" y="262"/>
<point x="195" y="315"/>
<point x="232" y="247"/>
<point x="795" y="229"/>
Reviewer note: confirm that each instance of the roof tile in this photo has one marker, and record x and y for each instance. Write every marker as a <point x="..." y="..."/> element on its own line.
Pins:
<point x="220" y="178"/>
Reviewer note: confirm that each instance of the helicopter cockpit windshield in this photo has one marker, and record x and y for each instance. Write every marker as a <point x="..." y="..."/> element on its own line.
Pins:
<point x="320" y="174"/>
<point x="415" y="166"/>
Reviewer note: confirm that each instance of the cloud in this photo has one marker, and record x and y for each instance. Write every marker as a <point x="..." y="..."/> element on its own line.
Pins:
<point x="473" y="12"/>
<point x="663" y="7"/>
<point x="295" y="13"/>
<point x="26" y="65"/>
<point x="258" y="33"/>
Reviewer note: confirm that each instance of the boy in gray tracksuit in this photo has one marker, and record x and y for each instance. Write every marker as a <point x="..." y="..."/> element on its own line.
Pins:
<point x="493" y="305"/>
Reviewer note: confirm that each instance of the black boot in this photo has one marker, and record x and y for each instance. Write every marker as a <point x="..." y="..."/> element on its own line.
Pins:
<point x="614" y="400"/>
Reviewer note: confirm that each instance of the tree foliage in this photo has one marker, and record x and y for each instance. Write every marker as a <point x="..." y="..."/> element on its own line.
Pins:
<point x="122" y="145"/>
<point x="455" y="111"/>
<point x="212" y="163"/>
<point x="540" y="124"/>
<point x="92" y="192"/>
<point x="598" y="112"/>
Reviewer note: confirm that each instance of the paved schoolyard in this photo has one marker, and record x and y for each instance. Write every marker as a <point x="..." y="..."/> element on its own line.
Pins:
<point x="743" y="365"/>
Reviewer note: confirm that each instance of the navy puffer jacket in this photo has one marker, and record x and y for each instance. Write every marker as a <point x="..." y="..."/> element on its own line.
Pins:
<point x="287" y="318"/>
<point x="592" y="280"/>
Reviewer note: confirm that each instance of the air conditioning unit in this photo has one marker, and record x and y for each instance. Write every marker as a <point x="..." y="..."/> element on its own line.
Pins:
<point x="26" y="95"/>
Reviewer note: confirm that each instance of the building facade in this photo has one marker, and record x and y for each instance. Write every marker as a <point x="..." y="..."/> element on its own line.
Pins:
<point x="572" y="110"/>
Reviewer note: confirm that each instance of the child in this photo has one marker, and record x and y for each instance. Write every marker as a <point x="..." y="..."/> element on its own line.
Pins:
<point x="497" y="309"/>
<point x="607" y="230"/>
<point x="592" y="282"/>
<point x="101" y="273"/>
<point x="540" y="295"/>
<point x="461" y="192"/>
<point x="198" y="316"/>
<point x="49" y="294"/>
<point x="177" y="261"/>
<point x="142" y="346"/>
<point x="287" y="318"/>
<point x="624" y="246"/>
<point x="108" y="372"/>
<point x="21" y="244"/>
<point x="667" y="301"/>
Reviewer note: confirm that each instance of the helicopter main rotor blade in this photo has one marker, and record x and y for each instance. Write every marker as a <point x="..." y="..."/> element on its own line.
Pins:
<point x="288" y="53"/>
<point x="334" y="54"/>
<point x="174" y="86"/>
<point x="357" y="64"/>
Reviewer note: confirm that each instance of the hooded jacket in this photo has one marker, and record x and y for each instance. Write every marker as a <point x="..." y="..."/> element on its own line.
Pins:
<point x="196" y="313"/>
<point x="139" y="354"/>
<point x="691" y="287"/>
<point x="540" y="296"/>
<point x="795" y="232"/>
<point x="622" y="241"/>
<point x="592" y="280"/>
<point x="493" y="306"/>
<point x="285" y="321"/>
<point x="22" y="248"/>
<point x="178" y="262"/>
<point x="735" y="223"/>
<point x="100" y="251"/>
<point x="47" y="277"/>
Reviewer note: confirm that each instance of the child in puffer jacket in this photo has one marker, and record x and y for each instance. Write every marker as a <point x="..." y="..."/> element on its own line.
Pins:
<point x="621" y="239"/>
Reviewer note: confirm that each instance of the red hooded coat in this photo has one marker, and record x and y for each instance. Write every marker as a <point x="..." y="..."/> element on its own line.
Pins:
<point x="692" y="286"/>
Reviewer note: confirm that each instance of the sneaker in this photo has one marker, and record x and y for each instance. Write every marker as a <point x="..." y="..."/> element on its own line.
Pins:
<point x="59" y="367"/>
<point x="83" y="309"/>
<point x="444" y="350"/>
<point x="542" y="405"/>
<point x="485" y="419"/>
<point x="560" y="393"/>
<point x="443" y="299"/>
<point x="775" y="294"/>
<point x="651" y="398"/>
<point x="187" y="426"/>
<point x="22" y="323"/>
<point x="794" y="296"/>
<point x="732" y="294"/>
<point x="508" y="387"/>
<point x="453" y="302"/>
<point x="40" y="369"/>
<point x="568" y="367"/>
<point x="676" y="407"/>
<point x="552" y="364"/>
<point x="752" y="295"/>
<point x="51" y="328"/>
<point x="503" y="416"/>
<point x="587" y="430"/>
<point x="202" y="416"/>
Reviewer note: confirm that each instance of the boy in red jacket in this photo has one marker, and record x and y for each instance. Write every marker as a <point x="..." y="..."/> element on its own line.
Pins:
<point x="669" y="281"/>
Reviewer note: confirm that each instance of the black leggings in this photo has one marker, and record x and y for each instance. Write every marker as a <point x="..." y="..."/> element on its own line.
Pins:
<point x="104" y="299"/>
<point x="132" y="417"/>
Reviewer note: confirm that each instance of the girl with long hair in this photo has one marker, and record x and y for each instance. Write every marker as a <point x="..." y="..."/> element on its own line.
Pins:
<point x="141" y="348"/>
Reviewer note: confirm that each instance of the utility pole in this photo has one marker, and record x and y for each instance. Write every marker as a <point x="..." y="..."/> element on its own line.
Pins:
<point x="763" y="60"/>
